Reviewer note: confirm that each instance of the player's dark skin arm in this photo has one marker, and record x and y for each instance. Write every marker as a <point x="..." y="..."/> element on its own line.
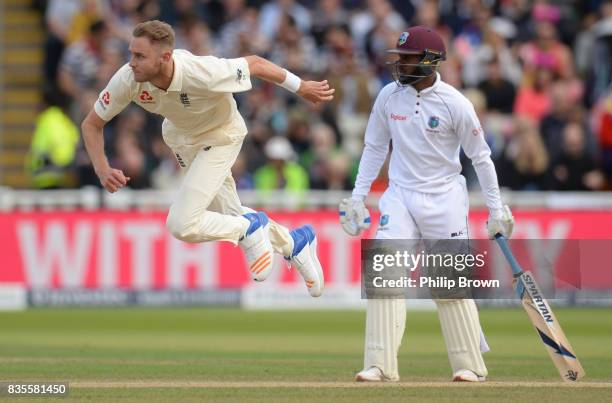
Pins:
<point x="93" y="137"/>
<point x="313" y="91"/>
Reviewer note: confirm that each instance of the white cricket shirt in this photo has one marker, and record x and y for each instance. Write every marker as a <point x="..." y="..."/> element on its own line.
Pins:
<point x="427" y="129"/>
<point x="198" y="105"/>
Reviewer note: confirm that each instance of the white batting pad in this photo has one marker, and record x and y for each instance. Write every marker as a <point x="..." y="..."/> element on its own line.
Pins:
<point x="385" y="324"/>
<point x="463" y="335"/>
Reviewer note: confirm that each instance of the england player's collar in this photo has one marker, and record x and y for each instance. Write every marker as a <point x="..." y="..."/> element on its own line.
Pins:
<point x="427" y="90"/>
<point x="177" y="76"/>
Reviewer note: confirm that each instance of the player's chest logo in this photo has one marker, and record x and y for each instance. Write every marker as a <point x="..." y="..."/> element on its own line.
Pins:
<point x="184" y="98"/>
<point x="433" y="122"/>
<point x="393" y="116"/>
<point x="146" y="98"/>
<point x="433" y="125"/>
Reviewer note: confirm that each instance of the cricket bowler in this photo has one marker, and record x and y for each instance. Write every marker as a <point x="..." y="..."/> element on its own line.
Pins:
<point x="427" y="121"/>
<point x="203" y="128"/>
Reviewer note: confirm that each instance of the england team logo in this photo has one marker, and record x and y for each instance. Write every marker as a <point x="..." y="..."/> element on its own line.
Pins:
<point x="434" y="122"/>
<point x="403" y="38"/>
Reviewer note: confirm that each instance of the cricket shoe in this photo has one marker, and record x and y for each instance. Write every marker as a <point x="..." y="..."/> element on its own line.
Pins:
<point x="257" y="247"/>
<point x="372" y="374"/>
<point x="304" y="258"/>
<point x="465" y="375"/>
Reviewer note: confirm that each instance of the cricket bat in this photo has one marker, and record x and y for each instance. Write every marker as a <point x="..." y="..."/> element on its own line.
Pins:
<point x="543" y="318"/>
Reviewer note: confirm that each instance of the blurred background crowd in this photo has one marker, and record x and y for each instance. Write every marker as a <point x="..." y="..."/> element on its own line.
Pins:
<point x="538" y="72"/>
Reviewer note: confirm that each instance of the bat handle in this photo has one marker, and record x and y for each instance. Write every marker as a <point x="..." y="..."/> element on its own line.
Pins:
<point x="503" y="244"/>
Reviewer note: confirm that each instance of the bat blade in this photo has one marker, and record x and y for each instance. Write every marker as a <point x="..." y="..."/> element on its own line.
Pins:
<point x="548" y="328"/>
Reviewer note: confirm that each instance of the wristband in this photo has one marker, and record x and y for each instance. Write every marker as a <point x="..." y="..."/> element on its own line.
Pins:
<point x="292" y="82"/>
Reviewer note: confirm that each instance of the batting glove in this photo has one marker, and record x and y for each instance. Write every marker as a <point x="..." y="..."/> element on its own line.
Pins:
<point x="354" y="216"/>
<point x="500" y="222"/>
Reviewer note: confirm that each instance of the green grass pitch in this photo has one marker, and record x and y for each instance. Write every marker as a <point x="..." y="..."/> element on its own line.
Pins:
<point x="229" y="355"/>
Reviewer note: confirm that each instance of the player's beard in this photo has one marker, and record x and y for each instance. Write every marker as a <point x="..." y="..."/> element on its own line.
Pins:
<point x="406" y="74"/>
<point x="143" y="77"/>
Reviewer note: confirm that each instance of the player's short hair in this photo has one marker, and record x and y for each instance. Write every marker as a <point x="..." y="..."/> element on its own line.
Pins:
<point x="157" y="31"/>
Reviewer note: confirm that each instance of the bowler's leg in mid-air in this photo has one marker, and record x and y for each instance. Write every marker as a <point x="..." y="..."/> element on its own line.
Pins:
<point x="207" y="208"/>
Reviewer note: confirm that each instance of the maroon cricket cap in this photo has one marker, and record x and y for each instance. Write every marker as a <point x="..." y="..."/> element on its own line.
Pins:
<point x="416" y="39"/>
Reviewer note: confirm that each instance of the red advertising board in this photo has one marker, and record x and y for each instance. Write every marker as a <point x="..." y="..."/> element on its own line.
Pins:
<point x="133" y="250"/>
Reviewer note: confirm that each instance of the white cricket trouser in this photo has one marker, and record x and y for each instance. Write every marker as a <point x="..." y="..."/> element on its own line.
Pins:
<point x="406" y="214"/>
<point x="207" y="206"/>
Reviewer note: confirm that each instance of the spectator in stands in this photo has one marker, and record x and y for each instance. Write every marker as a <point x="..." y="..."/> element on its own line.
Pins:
<point x="328" y="166"/>
<point x="515" y="52"/>
<point x="488" y="43"/>
<point x="80" y="62"/>
<point x="89" y="12"/>
<point x="533" y="98"/>
<point x="370" y="27"/>
<point x="53" y="145"/>
<point x="281" y="172"/>
<point x="547" y="52"/>
<point x="243" y="178"/>
<point x="293" y="49"/>
<point x="272" y="13"/>
<point x="127" y="13"/>
<point x="524" y="164"/>
<point x="575" y="169"/>
<point x="499" y="92"/>
<point x="253" y="148"/>
<point x="565" y="108"/>
<point x="355" y="89"/>
<point x="167" y="173"/>
<point x="130" y="153"/>
<point x="58" y="18"/>
<point x="599" y="73"/>
<point x="375" y="31"/>
<point x="327" y="14"/>
<point x="602" y="127"/>
<point x="242" y="35"/>
<point x="193" y="35"/>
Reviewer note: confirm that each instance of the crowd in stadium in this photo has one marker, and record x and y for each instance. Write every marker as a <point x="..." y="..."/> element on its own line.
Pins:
<point x="538" y="73"/>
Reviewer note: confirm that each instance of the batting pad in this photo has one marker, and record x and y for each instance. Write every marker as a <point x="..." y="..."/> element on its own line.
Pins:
<point x="462" y="334"/>
<point x="385" y="324"/>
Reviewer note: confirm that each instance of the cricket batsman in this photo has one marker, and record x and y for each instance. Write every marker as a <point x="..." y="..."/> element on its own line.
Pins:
<point x="427" y="120"/>
<point x="203" y="128"/>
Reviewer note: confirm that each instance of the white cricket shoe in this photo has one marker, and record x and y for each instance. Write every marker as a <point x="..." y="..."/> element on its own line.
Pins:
<point x="257" y="247"/>
<point x="304" y="258"/>
<point x="372" y="374"/>
<point x="465" y="375"/>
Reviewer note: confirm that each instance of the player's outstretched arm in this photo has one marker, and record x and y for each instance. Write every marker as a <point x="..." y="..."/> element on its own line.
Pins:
<point x="93" y="136"/>
<point x="312" y="91"/>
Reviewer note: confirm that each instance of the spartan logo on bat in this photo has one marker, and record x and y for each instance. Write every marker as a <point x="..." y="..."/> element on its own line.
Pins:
<point x="572" y="375"/>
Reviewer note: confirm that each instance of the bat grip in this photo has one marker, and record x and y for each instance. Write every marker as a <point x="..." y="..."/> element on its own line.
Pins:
<point x="503" y="244"/>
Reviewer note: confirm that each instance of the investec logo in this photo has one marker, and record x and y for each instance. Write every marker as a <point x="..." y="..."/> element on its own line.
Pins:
<point x="537" y="298"/>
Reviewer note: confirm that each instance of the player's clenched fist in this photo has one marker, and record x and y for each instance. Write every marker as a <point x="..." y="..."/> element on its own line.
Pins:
<point x="354" y="216"/>
<point x="316" y="91"/>
<point x="112" y="179"/>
